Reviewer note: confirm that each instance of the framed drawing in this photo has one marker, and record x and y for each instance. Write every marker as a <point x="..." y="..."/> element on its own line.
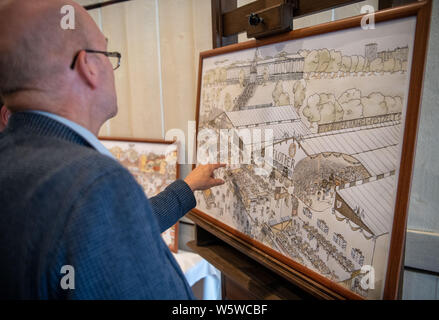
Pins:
<point x="153" y="163"/>
<point x="318" y="128"/>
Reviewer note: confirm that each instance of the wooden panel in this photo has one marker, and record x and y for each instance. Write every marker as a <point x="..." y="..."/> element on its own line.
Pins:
<point x="186" y="234"/>
<point x="384" y="4"/>
<point x="420" y="286"/>
<point x="236" y="21"/>
<point x="276" y="19"/>
<point x="216" y="24"/>
<point x="351" y="22"/>
<point x="219" y="38"/>
<point x="232" y="291"/>
<point x="204" y="238"/>
<point x="247" y="279"/>
<point x="408" y="150"/>
<point x="297" y="278"/>
<point x="422" y="251"/>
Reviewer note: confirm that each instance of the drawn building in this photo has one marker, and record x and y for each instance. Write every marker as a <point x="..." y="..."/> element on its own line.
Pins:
<point x="288" y="67"/>
<point x="372" y="53"/>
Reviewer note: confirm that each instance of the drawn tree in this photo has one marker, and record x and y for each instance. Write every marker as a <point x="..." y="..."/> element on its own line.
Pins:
<point x="222" y="74"/>
<point x="266" y="74"/>
<point x="398" y="65"/>
<point x="323" y="108"/>
<point x="299" y="92"/>
<point x="404" y="65"/>
<point x="311" y="61"/>
<point x="389" y="65"/>
<point x="346" y="63"/>
<point x="330" y="109"/>
<point x="324" y="59"/>
<point x="374" y="105"/>
<point x="312" y="109"/>
<point x="335" y="61"/>
<point x="361" y="64"/>
<point x="394" y="104"/>
<point x="241" y="77"/>
<point x="350" y="101"/>
<point x="354" y="63"/>
<point x="280" y="97"/>
<point x="228" y="105"/>
<point x="376" y="65"/>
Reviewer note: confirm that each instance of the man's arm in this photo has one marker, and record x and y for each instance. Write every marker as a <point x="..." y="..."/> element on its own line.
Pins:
<point x="178" y="198"/>
<point x="172" y="203"/>
<point x="113" y="242"/>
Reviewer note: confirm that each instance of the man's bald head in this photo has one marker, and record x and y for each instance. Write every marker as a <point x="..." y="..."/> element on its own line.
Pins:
<point x="35" y="52"/>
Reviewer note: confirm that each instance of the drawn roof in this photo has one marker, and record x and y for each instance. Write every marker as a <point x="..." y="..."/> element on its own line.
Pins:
<point x="281" y="131"/>
<point x="379" y="161"/>
<point x="376" y="198"/>
<point x="269" y="115"/>
<point x="353" y="141"/>
<point x="288" y="129"/>
<point x="280" y="59"/>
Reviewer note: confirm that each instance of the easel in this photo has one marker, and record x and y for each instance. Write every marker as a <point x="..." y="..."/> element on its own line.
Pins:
<point x="248" y="273"/>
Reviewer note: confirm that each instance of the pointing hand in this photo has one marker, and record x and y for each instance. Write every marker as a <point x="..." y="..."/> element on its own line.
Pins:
<point x="202" y="178"/>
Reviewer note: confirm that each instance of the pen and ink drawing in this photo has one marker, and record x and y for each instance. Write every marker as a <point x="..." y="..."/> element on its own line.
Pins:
<point x="335" y="104"/>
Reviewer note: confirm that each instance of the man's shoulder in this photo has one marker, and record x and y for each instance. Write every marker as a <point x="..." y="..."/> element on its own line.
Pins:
<point x="56" y="161"/>
<point x="67" y="154"/>
<point x="84" y="162"/>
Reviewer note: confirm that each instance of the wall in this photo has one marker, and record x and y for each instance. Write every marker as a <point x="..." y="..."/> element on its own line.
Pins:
<point x="424" y="201"/>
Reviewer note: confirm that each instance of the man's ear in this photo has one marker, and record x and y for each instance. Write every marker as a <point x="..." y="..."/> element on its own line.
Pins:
<point x="4" y="115"/>
<point x="87" y="69"/>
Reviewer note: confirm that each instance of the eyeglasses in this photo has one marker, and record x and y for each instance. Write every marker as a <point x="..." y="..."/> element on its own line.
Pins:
<point x="114" y="57"/>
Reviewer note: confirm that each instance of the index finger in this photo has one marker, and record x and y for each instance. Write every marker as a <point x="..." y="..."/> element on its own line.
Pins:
<point x="217" y="165"/>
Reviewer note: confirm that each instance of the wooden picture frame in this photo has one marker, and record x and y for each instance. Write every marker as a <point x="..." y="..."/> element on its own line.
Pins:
<point x="153" y="147"/>
<point x="417" y="15"/>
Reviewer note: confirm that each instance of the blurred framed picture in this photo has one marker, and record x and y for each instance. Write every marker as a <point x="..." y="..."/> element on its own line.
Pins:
<point x="153" y="163"/>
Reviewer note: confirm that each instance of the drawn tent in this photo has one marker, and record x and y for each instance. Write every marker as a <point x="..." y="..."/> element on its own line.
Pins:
<point x="353" y="141"/>
<point x="369" y="205"/>
<point x="375" y="147"/>
<point x="368" y="208"/>
<point x="263" y="116"/>
<point x="364" y="201"/>
<point x="284" y="67"/>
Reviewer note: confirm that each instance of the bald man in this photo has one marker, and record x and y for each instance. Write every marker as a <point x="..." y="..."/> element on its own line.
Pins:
<point x="74" y="224"/>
